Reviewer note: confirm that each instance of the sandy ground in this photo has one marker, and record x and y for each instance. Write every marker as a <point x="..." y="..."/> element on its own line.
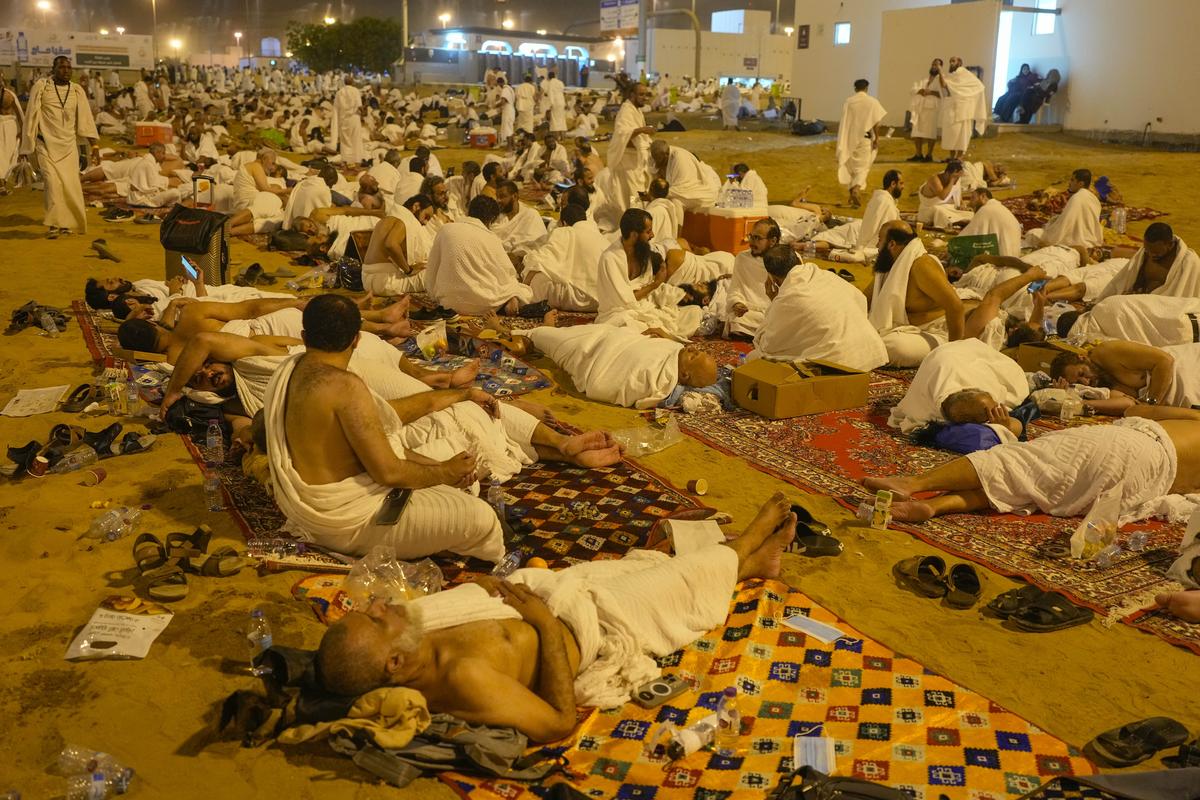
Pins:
<point x="153" y="713"/>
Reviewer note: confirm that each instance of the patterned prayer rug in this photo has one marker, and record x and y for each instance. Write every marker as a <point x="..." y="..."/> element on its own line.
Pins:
<point x="561" y="513"/>
<point x="99" y="343"/>
<point x="1034" y="212"/>
<point x="892" y="721"/>
<point x="830" y="453"/>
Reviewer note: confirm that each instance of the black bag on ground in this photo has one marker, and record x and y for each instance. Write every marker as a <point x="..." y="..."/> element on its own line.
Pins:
<point x="347" y="274"/>
<point x="808" y="784"/>
<point x="808" y="127"/>
<point x="190" y="230"/>
<point x="291" y="241"/>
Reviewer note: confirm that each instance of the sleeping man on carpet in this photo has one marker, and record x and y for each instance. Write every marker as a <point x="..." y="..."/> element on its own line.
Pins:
<point x="340" y="455"/>
<point x="1133" y="373"/>
<point x="525" y="653"/>
<point x="624" y="366"/>
<point x="1150" y="456"/>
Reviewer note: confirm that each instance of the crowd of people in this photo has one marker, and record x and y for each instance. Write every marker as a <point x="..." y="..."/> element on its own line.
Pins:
<point x="549" y="224"/>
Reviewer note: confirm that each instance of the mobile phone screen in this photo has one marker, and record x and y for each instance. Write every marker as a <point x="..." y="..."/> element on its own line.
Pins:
<point x="188" y="267"/>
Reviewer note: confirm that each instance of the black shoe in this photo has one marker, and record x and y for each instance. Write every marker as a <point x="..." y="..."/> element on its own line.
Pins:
<point x="121" y="215"/>
<point x="917" y="157"/>
<point x="437" y="312"/>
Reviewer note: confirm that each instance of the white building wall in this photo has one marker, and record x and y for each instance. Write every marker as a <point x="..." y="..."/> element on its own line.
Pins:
<point x="672" y="51"/>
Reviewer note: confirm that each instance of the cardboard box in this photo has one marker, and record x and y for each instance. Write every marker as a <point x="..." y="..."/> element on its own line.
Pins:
<point x="778" y="390"/>
<point x="147" y="133"/>
<point x="1036" y="356"/>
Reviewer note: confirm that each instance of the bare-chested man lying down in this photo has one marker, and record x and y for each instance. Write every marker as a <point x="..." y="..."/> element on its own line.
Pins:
<point x="247" y="318"/>
<point x="1062" y="473"/>
<point x="338" y="450"/>
<point x="512" y="662"/>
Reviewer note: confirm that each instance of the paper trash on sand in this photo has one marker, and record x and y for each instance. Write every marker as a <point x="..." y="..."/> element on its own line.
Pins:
<point x="122" y="627"/>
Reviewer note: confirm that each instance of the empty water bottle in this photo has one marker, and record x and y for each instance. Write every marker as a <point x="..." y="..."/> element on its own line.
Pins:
<point x="1108" y="556"/>
<point x="258" y="638"/>
<point x="114" y="523"/>
<point x="80" y="457"/>
<point x="214" y="444"/>
<point x="729" y="722"/>
<point x="509" y="564"/>
<point x="263" y="547"/>
<point x="212" y="492"/>
<point x="1120" y="218"/>
<point x="46" y="321"/>
<point x="75" y="759"/>
<point x="96" y="786"/>
<point x="495" y="497"/>
<point x="1137" y="541"/>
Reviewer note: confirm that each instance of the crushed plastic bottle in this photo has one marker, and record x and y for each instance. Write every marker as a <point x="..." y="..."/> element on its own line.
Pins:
<point x="80" y="457"/>
<point x="1137" y="541"/>
<point x="92" y="774"/>
<point x="647" y="439"/>
<point x="46" y="321"/>
<point x="686" y="741"/>
<point x="114" y="523"/>
<point x="264" y="547"/>
<point x="259" y="639"/>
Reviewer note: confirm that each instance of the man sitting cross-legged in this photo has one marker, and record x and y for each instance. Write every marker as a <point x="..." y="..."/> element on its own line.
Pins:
<point x="337" y="449"/>
<point x="1064" y="472"/>
<point x="509" y="661"/>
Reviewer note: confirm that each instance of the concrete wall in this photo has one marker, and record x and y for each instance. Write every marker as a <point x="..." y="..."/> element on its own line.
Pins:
<point x="913" y="37"/>
<point x="823" y="75"/>
<point x="672" y="51"/>
<point x="1131" y="63"/>
<point x="1042" y="52"/>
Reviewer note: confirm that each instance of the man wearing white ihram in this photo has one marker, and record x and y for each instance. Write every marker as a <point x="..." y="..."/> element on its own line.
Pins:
<point x="966" y="107"/>
<point x="858" y="139"/>
<point x="12" y="120"/>
<point x="629" y="148"/>
<point x="347" y="106"/>
<point x="555" y="92"/>
<point x="925" y="111"/>
<point x="58" y="117"/>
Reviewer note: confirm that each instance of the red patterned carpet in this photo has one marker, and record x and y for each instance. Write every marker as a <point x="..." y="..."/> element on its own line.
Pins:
<point x="830" y="454"/>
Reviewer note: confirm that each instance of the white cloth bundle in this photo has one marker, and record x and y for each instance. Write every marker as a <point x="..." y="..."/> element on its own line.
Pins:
<point x="994" y="217"/>
<point x="469" y="271"/>
<point x="613" y="365"/>
<point x="1077" y="224"/>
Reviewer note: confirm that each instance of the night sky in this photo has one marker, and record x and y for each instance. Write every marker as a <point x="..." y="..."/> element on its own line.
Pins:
<point x="205" y="24"/>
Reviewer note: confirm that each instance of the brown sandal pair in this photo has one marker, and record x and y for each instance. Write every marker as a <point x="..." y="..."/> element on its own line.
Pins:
<point x="164" y="566"/>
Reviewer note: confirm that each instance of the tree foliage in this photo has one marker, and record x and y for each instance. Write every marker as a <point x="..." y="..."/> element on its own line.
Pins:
<point x="366" y="43"/>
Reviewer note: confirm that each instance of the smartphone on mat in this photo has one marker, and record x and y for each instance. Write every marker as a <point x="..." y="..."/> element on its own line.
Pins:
<point x="189" y="267"/>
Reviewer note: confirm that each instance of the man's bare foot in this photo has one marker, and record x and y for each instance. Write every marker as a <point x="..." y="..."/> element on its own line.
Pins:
<point x="398" y="329"/>
<point x="912" y="511"/>
<point x="551" y="318"/>
<point x="900" y="486"/>
<point x="397" y="311"/>
<point x="511" y="308"/>
<point x="572" y="446"/>
<point x="492" y="320"/>
<point x="364" y="302"/>
<point x="464" y="375"/>
<point x="1184" y="605"/>
<point x="602" y="457"/>
<point x="765" y="560"/>
<point x="767" y="521"/>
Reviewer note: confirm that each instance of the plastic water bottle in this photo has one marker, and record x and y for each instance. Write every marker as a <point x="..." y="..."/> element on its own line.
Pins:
<point x="509" y="564"/>
<point x="258" y="637"/>
<point x="214" y="444"/>
<point x="495" y="497"/>
<point x="212" y="492"/>
<point x="262" y="547"/>
<point x="46" y="320"/>
<point x="80" y="457"/>
<point x="1120" y="217"/>
<point x="132" y="398"/>
<point x="1108" y="556"/>
<point x="729" y="722"/>
<point x="96" y="786"/>
<point x="1137" y="541"/>
<point x="75" y="759"/>
<point x="688" y="740"/>
<point x="114" y="523"/>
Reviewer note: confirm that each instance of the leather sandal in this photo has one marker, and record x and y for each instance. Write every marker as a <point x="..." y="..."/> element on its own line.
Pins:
<point x="964" y="586"/>
<point x="923" y="575"/>
<point x="79" y="399"/>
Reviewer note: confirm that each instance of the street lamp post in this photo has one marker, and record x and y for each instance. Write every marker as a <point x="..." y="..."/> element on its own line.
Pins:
<point x="154" y="31"/>
<point x="120" y="30"/>
<point x="175" y="45"/>
<point x="238" y="36"/>
<point x="444" y="18"/>
<point x="43" y="6"/>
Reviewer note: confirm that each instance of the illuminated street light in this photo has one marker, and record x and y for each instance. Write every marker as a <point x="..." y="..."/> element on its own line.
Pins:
<point x="541" y="31"/>
<point x="287" y="54"/>
<point x="120" y="30"/>
<point x="175" y="45"/>
<point x="443" y="18"/>
<point x="789" y="30"/>
<point x="330" y="20"/>
<point x="507" y="24"/>
<point x="43" y="5"/>
<point x="104" y="31"/>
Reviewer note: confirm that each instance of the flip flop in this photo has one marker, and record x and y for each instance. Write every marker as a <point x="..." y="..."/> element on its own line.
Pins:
<point x="1188" y="756"/>
<point x="1008" y="603"/>
<point x="148" y="553"/>
<point x="250" y="275"/>
<point x="924" y="575"/>
<point x="964" y="586"/>
<point x="221" y="563"/>
<point x="102" y="441"/>
<point x="166" y="584"/>
<point x="1134" y="743"/>
<point x="1050" y="612"/>
<point x="101" y="248"/>
<point x="189" y="545"/>
<point x="804" y="517"/>
<point x="814" y="545"/>
<point x="80" y="398"/>
<point x="846" y="275"/>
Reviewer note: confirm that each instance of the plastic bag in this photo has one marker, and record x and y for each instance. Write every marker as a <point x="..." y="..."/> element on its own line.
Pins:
<point x="650" y="438"/>
<point x="379" y="575"/>
<point x="1099" y="528"/>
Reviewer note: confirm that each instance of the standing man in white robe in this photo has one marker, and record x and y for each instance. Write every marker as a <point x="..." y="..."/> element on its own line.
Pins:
<point x="693" y="183"/>
<point x="731" y="104"/>
<point x="925" y="110"/>
<point x="508" y="111"/>
<point x="858" y="139"/>
<point x="629" y="148"/>
<point x="965" y="108"/>
<point x="58" y="117"/>
<point x="468" y="269"/>
<point x="12" y="120"/>
<point x="1079" y="221"/>
<point x="814" y="315"/>
<point x="347" y="106"/>
<point x="525" y="95"/>
<point x="992" y="216"/>
<point x="555" y="93"/>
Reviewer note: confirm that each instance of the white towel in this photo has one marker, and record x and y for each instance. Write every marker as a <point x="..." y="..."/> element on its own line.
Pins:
<point x="965" y="364"/>
<point x="1183" y="276"/>
<point x="613" y="365"/>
